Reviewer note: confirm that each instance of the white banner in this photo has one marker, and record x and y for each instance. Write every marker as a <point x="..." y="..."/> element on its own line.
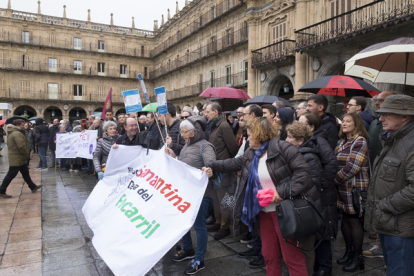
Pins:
<point x="76" y="144"/>
<point x="138" y="216"/>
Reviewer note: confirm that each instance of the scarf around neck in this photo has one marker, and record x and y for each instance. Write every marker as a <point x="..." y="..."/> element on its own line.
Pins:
<point x="251" y="205"/>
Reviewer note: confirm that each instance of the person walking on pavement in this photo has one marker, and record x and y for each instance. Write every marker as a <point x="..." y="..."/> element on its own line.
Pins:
<point x="42" y="141"/>
<point x="195" y="153"/>
<point x="375" y="148"/>
<point x="318" y="104"/>
<point x="390" y="205"/>
<point x="18" y="154"/>
<point x="52" y="146"/>
<point x="224" y="141"/>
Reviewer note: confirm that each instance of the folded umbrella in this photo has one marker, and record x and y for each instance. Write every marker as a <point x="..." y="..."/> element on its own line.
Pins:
<point x="342" y="86"/>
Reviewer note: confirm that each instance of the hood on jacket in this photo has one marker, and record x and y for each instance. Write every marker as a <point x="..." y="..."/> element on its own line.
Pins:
<point x="366" y="116"/>
<point x="310" y="146"/>
<point x="328" y="117"/>
<point x="199" y="123"/>
<point x="11" y="128"/>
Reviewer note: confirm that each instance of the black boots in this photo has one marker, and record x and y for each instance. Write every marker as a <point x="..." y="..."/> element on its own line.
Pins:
<point x="356" y="262"/>
<point x="346" y="258"/>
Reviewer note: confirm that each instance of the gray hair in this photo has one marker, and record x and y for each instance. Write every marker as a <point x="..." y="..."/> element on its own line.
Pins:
<point x="189" y="110"/>
<point x="62" y="126"/>
<point x="186" y="124"/>
<point x="304" y="104"/>
<point x="67" y="122"/>
<point x="108" y="124"/>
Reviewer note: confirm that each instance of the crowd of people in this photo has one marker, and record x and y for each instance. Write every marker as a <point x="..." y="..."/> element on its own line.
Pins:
<point x="356" y="170"/>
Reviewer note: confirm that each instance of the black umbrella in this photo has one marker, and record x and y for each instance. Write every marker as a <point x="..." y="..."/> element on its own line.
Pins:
<point x="15" y="117"/>
<point x="33" y="119"/>
<point x="266" y="99"/>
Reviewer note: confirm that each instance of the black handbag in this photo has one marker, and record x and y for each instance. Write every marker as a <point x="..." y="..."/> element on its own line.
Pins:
<point x="298" y="218"/>
<point x="144" y="139"/>
<point x="358" y="200"/>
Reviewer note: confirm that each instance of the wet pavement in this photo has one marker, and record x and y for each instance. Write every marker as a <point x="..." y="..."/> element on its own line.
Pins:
<point x="46" y="234"/>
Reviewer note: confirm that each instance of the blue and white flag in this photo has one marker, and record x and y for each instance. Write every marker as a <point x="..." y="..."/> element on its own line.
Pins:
<point x="161" y="100"/>
<point x="132" y="101"/>
<point x="144" y="89"/>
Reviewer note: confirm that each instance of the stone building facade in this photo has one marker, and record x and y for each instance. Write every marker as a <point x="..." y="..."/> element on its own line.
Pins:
<point x="55" y="64"/>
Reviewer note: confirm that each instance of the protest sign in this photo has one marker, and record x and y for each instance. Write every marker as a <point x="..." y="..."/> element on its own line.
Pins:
<point x="138" y="216"/>
<point x="76" y="144"/>
<point x="161" y="100"/>
<point x="132" y="101"/>
<point x="144" y="89"/>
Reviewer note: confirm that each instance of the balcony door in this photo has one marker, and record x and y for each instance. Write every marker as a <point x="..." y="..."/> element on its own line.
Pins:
<point x="343" y="23"/>
<point x="52" y="89"/>
<point x="278" y="34"/>
<point x="77" y="92"/>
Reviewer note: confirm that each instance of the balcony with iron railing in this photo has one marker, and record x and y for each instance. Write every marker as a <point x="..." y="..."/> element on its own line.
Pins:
<point x="34" y="66"/>
<point x="273" y="53"/>
<point x="213" y="48"/>
<point x="237" y="80"/>
<point x="370" y="17"/>
<point x="215" y="13"/>
<point x="63" y="21"/>
<point x="69" y="44"/>
<point x="34" y="94"/>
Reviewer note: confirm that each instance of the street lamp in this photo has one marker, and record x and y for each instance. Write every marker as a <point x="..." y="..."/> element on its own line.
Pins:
<point x="53" y="113"/>
<point x="25" y="112"/>
<point x="286" y="88"/>
<point x="77" y="113"/>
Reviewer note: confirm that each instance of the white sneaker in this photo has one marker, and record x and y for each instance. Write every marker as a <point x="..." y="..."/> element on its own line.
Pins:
<point x="374" y="252"/>
<point x="70" y="170"/>
<point x="75" y="170"/>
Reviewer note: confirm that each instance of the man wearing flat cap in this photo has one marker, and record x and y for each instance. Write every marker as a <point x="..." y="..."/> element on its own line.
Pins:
<point x="390" y="204"/>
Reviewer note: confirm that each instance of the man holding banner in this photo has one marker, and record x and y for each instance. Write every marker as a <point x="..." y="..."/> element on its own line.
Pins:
<point x="173" y="138"/>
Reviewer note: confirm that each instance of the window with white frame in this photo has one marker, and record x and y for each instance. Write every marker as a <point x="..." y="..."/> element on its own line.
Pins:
<point x="77" y="66"/>
<point x="278" y="33"/>
<point x="52" y="64"/>
<point x="77" y="43"/>
<point x="25" y="37"/>
<point x="101" y="45"/>
<point x="101" y="67"/>
<point x="77" y="90"/>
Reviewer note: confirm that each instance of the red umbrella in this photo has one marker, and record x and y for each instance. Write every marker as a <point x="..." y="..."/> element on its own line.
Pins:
<point x="2" y="122"/>
<point x="342" y="86"/>
<point x="225" y="92"/>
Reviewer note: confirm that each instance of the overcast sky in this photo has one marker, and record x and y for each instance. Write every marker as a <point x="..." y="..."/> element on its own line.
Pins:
<point x="145" y="12"/>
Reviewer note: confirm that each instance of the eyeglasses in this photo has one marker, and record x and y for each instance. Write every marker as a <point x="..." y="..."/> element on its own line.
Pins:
<point x="184" y="117"/>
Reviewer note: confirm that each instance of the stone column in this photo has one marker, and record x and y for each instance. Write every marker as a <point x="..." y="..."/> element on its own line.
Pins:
<point x="133" y="23"/>
<point x="176" y="7"/>
<point x="169" y="16"/>
<point x="9" y="11"/>
<point x="88" y="24"/>
<point x="186" y="2"/>
<point x="155" y="25"/>
<point x="300" y="59"/>
<point x="39" y="17"/>
<point x="65" y="20"/>
<point x="162" y="20"/>
<point x="112" y="22"/>
<point x="252" y="45"/>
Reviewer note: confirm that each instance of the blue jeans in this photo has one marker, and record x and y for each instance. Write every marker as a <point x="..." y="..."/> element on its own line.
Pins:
<point x="62" y="163"/>
<point x="398" y="254"/>
<point x="201" y="230"/>
<point x="53" y="157"/>
<point x="42" y="155"/>
<point x="90" y="165"/>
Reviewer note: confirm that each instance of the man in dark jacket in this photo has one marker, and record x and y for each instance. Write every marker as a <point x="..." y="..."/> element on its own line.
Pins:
<point x="224" y="141"/>
<point x="208" y="123"/>
<point x="357" y="105"/>
<point x="121" y="120"/>
<point x="153" y="129"/>
<point x="52" y="146"/>
<point x="18" y="148"/>
<point x="318" y="104"/>
<point x="173" y="137"/>
<point x="390" y="203"/>
<point x="42" y="141"/>
<point x="131" y="130"/>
